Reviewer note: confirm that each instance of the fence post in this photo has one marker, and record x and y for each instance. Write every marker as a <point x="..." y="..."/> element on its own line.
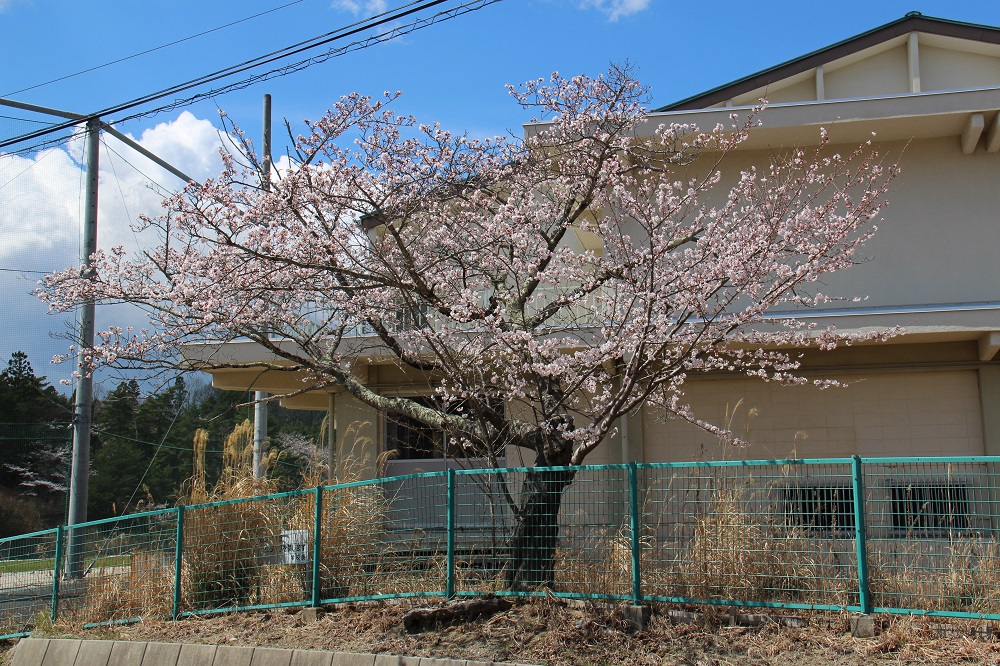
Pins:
<point x="449" y="590"/>
<point x="317" y="546"/>
<point x="56" y="566"/>
<point x="178" y="559"/>
<point x="633" y="505"/>
<point x="861" y="534"/>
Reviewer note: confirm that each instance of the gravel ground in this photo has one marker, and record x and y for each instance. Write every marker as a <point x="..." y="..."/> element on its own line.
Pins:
<point x="548" y="632"/>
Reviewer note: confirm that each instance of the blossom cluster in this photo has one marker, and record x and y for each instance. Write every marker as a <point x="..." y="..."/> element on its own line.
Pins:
<point x="573" y="276"/>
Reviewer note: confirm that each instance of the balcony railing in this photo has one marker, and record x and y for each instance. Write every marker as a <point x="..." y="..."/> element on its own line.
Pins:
<point x="586" y="311"/>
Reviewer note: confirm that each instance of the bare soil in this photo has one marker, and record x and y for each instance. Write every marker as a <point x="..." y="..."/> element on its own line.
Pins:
<point x="549" y="632"/>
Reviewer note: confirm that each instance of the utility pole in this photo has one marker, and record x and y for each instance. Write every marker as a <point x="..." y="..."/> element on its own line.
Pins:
<point x="260" y="397"/>
<point x="83" y="406"/>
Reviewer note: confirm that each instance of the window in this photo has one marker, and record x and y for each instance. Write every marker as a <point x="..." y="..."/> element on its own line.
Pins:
<point x="413" y="440"/>
<point x="822" y="508"/>
<point x="930" y="509"/>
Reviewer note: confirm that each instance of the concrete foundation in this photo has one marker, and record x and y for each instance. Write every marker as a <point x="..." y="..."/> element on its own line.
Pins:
<point x="74" y="652"/>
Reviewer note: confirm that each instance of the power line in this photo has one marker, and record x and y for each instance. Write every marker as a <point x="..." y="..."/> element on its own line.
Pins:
<point x="284" y="70"/>
<point x="162" y="190"/>
<point x="337" y="35"/>
<point x="18" y="270"/>
<point x="25" y="120"/>
<point x="25" y="170"/>
<point x="148" y="51"/>
<point x="38" y="146"/>
<point x="162" y="445"/>
<point x="41" y="145"/>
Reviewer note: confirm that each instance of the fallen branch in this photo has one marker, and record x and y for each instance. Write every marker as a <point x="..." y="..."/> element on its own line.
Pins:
<point x="421" y="619"/>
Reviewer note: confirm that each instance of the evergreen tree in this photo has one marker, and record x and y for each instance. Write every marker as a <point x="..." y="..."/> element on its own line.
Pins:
<point x="29" y="399"/>
<point x="34" y="448"/>
<point x="118" y="461"/>
<point x="142" y="445"/>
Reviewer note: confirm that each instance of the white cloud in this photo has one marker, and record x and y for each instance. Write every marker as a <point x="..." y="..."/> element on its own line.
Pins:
<point x="357" y="7"/>
<point x="190" y="144"/>
<point x="41" y="212"/>
<point x="615" y="9"/>
<point x="43" y="194"/>
<point x="41" y="207"/>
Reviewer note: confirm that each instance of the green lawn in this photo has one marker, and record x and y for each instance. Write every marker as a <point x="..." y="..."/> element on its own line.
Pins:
<point x="46" y="564"/>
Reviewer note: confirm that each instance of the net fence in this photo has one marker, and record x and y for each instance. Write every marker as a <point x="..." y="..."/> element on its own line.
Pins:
<point x="900" y="535"/>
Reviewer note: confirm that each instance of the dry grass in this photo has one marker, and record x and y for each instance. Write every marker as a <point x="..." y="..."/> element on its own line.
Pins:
<point x="221" y="547"/>
<point x="222" y="544"/>
<point x="732" y="554"/>
<point x="719" y="548"/>
<point x="143" y="589"/>
<point x="937" y="574"/>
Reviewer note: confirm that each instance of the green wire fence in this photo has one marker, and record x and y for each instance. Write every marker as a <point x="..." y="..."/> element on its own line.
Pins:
<point x="886" y="535"/>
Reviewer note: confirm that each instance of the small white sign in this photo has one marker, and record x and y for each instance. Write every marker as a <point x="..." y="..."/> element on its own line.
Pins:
<point x="295" y="546"/>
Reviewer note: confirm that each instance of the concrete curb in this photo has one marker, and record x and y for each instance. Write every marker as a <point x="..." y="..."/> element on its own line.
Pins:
<point x="75" y="652"/>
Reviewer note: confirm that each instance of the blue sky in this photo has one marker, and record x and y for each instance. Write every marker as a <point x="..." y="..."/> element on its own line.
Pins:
<point x="453" y="72"/>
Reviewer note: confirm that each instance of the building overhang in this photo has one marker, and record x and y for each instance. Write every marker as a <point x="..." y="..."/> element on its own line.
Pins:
<point x="244" y="365"/>
<point x="902" y="117"/>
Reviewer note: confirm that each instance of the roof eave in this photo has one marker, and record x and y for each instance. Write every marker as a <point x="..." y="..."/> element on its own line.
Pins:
<point x="912" y="22"/>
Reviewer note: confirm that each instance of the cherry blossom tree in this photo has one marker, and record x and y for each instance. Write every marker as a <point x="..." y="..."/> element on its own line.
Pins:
<point x="544" y="287"/>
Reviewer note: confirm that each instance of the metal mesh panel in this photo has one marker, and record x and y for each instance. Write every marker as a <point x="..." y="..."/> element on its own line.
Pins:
<point x="119" y="569"/>
<point x="247" y="553"/>
<point x="593" y="557"/>
<point x="385" y="538"/>
<point x="934" y="534"/>
<point x="484" y="522"/>
<point x="26" y="566"/>
<point x="755" y="533"/>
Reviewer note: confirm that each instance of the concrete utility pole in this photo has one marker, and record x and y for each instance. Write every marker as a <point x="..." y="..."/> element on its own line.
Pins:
<point x="260" y="397"/>
<point x="79" y="481"/>
<point x="80" y="472"/>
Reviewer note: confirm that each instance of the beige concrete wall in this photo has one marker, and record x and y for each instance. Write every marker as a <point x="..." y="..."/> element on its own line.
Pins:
<point x="880" y="73"/>
<point x="876" y="414"/>
<point x="938" y="237"/>
<point x="795" y="92"/>
<point x="358" y="438"/>
<point x="989" y="391"/>
<point x="947" y="69"/>
<point x="885" y="73"/>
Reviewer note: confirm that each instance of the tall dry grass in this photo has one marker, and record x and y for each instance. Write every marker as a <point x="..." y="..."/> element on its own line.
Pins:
<point x="734" y="554"/>
<point x="719" y="546"/>
<point x="946" y="574"/>
<point x="233" y="551"/>
<point x="143" y="588"/>
<point x="223" y="543"/>
<point x="351" y="536"/>
<point x="222" y="546"/>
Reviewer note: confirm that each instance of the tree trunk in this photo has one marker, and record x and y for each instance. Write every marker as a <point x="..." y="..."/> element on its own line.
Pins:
<point x="536" y="532"/>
